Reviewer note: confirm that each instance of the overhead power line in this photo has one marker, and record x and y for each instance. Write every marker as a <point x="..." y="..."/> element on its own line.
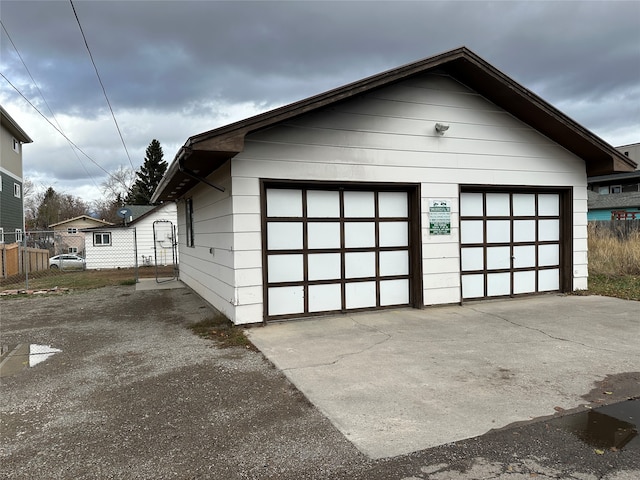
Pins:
<point x="101" y="84"/>
<point x="55" y="127"/>
<point x="45" y="102"/>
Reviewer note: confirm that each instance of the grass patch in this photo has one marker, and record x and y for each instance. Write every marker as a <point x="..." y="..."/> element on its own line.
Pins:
<point x="220" y="329"/>
<point x="614" y="264"/>
<point x="626" y="287"/>
<point x="82" y="279"/>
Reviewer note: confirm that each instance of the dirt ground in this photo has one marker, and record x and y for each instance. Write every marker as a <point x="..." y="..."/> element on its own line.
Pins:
<point x="135" y="394"/>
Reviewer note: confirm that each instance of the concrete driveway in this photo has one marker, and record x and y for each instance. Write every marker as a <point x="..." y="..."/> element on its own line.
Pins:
<point x="399" y="381"/>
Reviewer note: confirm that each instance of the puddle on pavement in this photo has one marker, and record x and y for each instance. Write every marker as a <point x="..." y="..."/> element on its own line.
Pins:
<point x="15" y="358"/>
<point x="614" y="426"/>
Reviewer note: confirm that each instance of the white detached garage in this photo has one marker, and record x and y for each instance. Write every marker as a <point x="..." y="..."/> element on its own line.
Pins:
<point x="437" y="182"/>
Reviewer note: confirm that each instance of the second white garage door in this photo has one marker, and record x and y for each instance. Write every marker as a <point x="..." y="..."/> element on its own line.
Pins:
<point x="510" y="242"/>
<point x="334" y="250"/>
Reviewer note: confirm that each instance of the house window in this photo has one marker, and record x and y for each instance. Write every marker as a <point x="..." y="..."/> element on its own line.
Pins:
<point x="72" y="250"/>
<point x="72" y="230"/>
<point x="0" y="183"/>
<point x="616" y="188"/>
<point x="16" y="146"/>
<point x="189" y="218"/>
<point x="603" y="190"/>
<point x="1" y="235"/>
<point x="16" y="190"/>
<point x="19" y="235"/>
<point x="101" y="239"/>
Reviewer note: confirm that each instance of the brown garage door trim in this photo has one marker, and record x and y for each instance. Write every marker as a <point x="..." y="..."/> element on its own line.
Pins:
<point x="566" y="231"/>
<point x="414" y="247"/>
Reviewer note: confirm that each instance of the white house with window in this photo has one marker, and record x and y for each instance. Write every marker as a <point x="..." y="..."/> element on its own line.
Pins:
<point x="148" y="239"/>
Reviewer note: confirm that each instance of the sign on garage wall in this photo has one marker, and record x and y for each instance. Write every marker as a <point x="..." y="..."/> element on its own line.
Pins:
<point x="439" y="217"/>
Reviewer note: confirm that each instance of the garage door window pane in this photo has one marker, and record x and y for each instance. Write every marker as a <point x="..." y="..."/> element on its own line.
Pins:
<point x="498" y="231"/>
<point x="498" y="205"/>
<point x="359" y="204"/>
<point x="394" y="234"/>
<point x="323" y="204"/>
<point x="524" y="256"/>
<point x="358" y="235"/>
<point x="323" y="235"/>
<point x="393" y="204"/>
<point x="360" y="294"/>
<point x="286" y="300"/>
<point x="472" y="259"/>
<point x="284" y="236"/>
<point x="471" y="231"/>
<point x="324" y="298"/>
<point x="394" y="263"/>
<point x="471" y="205"/>
<point x="549" y="230"/>
<point x="548" y="255"/>
<point x="548" y="204"/>
<point x="498" y="258"/>
<point x="524" y="282"/>
<point x="284" y="203"/>
<point x="394" y="292"/>
<point x="285" y="268"/>
<point x="524" y="230"/>
<point x="324" y="266"/>
<point x="498" y="284"/>
<point x="472" y="286"/>
<point x="360" y="264"/>
<point x="524" y="204"/>
<point x="548" y="280"/>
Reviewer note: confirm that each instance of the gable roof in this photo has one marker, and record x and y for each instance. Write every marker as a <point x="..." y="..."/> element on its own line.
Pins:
<point x="81" y="217"/>
<point x="144" y="212"/>
<point x="204" y="153"/>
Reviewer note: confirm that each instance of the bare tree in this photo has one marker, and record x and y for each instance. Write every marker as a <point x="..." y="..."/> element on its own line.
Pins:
<point x="118" y="184"/>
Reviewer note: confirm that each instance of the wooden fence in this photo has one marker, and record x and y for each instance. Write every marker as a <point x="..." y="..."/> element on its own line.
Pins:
<point x="16" y="259"/>
<point x="622" y="229"/>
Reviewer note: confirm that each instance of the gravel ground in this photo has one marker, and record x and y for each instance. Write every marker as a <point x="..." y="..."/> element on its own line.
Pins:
<point x="135" y="394"/>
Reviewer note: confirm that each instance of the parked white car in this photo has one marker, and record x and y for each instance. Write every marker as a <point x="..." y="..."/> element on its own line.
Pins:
<point x="67" y="262"/>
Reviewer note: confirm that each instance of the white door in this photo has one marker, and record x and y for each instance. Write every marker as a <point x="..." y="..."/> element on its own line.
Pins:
<point x="333" y="250"/>
<point x="510" y="243"/>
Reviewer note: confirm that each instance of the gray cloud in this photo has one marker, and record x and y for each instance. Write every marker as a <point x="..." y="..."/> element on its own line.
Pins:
<point x="200" y="64"/>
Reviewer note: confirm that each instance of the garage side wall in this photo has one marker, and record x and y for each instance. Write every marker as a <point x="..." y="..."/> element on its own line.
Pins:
<point x="207" y="266"/>
<point x="388" y="136"/>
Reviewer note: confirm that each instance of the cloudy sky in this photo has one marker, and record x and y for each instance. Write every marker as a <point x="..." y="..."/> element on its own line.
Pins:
<point x="172" y="69"/>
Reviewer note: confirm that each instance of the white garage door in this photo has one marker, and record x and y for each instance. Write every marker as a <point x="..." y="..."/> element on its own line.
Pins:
<point x="335" y="250"/>
<point x="510" y="243"/>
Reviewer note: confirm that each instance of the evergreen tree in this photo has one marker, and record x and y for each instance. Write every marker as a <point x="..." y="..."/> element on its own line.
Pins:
<point x="149" y="175"/>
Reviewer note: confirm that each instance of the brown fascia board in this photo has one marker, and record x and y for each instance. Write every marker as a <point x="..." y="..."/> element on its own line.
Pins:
<point x="464" y="65"/>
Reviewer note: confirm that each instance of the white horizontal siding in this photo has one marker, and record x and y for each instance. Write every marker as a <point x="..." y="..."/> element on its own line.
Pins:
<point x="145" y="235"/>
<point x="207" y="267"/>
<point x="388" y="136"/>
<point x="120" y="254"/>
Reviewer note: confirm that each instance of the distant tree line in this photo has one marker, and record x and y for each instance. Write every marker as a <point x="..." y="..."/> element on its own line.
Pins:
<point x="45" y="206"/>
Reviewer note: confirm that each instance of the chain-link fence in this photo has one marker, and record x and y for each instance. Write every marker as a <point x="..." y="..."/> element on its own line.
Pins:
<point x="50" y="259"/>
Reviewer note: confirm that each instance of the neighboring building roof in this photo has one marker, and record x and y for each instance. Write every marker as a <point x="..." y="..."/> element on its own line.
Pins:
<point x="10" y="124"/>
<point x="614" y="176"/>
<point x="139" y="210"/>
<point x="613" y="200"/>
<point x="204" y="153"/>
<point x="81" y="217"/>
<point x="150" y="209"/>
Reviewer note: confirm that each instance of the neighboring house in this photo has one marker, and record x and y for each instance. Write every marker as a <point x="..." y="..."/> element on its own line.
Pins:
<point x="140" y="242"/>
<point x="437" y="182"/>
<point x="12" y="137"/>
<point x="616" y="196"/>
<point x="68" y="236"/>
<point x="619" y="206"/>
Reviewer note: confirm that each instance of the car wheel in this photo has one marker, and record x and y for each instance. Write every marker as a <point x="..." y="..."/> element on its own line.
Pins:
<point x="54" y="267"/>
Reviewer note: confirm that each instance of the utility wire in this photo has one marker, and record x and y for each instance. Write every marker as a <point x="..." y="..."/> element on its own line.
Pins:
<point x="46" y="103"/>
<point x="101" y="84"/>
<point x="50" y="123"/>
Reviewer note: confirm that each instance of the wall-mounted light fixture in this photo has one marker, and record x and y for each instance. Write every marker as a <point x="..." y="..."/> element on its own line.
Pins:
<point x="441" y="128"/>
